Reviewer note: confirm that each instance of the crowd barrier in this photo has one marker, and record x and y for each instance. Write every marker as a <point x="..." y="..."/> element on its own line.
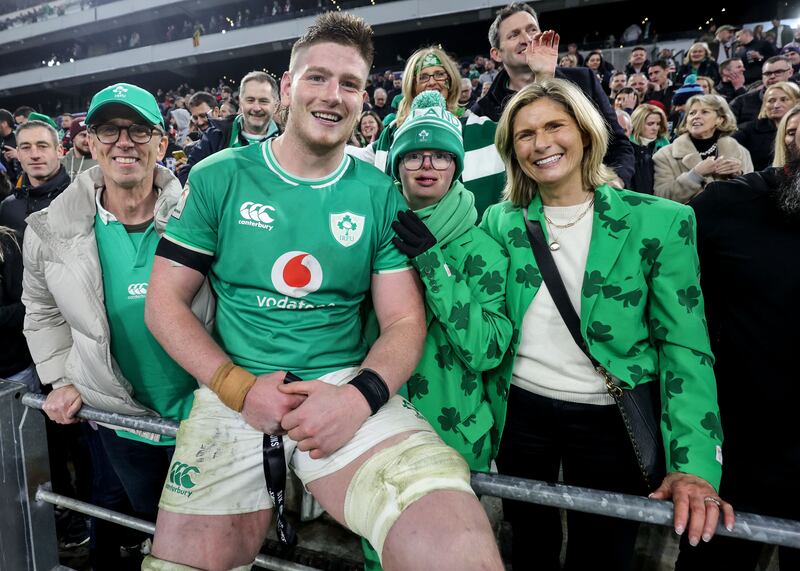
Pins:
<point x="27" y="528"/>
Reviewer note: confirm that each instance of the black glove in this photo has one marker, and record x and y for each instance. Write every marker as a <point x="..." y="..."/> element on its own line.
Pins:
<point x="413" y="237"/>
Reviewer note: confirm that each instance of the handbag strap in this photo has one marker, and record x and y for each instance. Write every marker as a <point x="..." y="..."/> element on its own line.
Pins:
<point x="555" y="285"/>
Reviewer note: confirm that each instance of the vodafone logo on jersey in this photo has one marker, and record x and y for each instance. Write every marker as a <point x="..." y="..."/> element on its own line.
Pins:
<point x="296" y="274"/>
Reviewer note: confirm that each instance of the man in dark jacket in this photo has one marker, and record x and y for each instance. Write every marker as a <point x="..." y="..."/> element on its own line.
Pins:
<point x="509" y="36"/>
<point x="747" y="228"/>
<point x="44" y="178"/>
<point x="732" y="85"/>
<point x="258" y="98"/>
<point x="752" y="52"/>
<point x="8" y="145"/>
<point x="637" y="61"/>
<point x="746" y="107"/>
<point x="661" y="88"/>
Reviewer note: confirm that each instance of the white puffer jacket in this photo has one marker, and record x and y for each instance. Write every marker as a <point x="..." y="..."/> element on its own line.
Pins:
<point x="65" y="318"/>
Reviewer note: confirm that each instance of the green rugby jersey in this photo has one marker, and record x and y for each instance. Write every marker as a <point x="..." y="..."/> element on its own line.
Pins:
<point x="292" y="258"/>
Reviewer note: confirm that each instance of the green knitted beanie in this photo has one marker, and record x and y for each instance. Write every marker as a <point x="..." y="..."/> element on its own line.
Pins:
<point x="429" y="126"/>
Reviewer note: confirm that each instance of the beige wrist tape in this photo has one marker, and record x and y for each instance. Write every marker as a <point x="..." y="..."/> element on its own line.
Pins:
<point x="231" y="384"/>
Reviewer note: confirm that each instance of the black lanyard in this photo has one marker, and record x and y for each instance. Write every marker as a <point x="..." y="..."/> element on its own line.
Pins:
<point x="275" y="475"/>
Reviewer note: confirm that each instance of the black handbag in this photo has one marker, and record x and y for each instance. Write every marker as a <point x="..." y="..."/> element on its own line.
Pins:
<point x="640" y="407"/>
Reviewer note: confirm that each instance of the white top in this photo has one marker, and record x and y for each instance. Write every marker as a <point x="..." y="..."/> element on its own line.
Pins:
<point x="548" y="361"/>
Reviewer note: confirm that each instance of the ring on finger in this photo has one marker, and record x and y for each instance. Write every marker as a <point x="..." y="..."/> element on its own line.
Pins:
<point x="713" y="500"/>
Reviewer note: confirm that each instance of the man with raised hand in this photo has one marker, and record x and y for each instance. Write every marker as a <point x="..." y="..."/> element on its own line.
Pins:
<point x="528" y="55"/>
<point x="293" y="235"/>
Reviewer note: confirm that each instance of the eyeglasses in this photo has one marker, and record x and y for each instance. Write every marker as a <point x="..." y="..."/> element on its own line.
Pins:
<point x="108" y="133"/>
<point x="439" y="160"/>
<point x="438" y="77"/>
<point x="776" y="72"/>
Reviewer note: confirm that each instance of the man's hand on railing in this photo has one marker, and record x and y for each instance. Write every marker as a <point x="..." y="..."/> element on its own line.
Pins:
<point x="63" y="404"/>
<point x="696" y="503"/>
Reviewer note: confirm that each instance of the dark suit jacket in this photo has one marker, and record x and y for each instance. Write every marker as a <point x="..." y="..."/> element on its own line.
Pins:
<point x="620" y="153"/>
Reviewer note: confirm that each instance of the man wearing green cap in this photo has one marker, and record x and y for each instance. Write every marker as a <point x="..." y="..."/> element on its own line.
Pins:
<point x="87" y="267"/>
<point x="463" y="272"/>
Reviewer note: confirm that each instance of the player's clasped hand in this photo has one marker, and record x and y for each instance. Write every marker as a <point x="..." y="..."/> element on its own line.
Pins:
<point x="413" y="237"/>
<point x="265" y="406"/>
<point x="327" y="419"/>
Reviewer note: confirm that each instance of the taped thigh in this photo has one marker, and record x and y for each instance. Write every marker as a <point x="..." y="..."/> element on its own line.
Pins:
<point x="394" y="478"/>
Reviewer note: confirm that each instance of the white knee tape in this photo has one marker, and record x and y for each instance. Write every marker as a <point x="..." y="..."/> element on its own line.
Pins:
<point x="151" y="563"/>
<point x="396" y="477"/>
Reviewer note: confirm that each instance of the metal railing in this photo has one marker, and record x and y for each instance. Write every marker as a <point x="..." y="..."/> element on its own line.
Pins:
<point x="749" y="526"/>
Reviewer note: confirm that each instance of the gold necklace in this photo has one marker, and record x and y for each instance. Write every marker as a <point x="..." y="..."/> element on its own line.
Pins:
<point x="554" y="245"/>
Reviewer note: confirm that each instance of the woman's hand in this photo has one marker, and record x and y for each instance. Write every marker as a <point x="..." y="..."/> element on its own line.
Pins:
<point x="728" y="167"/>
<point x="696" y="504"/>
<point x="706" y="166"/>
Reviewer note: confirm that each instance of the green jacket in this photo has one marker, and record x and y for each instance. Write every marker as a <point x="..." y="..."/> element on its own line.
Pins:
<point x="468" y="333"/>
<point x="641" y="313"/>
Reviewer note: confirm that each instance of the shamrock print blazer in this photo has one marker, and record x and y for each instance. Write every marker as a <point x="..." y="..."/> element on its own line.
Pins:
<point x="641" y="315"/>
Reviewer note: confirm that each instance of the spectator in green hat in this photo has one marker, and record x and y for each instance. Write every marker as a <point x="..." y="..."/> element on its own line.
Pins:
<point x="457" y="263"/>
<point x="88" y="259"/>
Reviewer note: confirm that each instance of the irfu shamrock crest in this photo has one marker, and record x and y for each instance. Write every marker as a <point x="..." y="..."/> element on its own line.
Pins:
<point x="347" y="228"/>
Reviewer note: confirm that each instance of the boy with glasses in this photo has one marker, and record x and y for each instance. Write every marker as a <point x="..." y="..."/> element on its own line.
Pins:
<point x="463" y="273"/>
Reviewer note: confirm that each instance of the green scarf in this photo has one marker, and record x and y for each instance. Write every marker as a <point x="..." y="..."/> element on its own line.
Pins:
<point x="453" y="215"/>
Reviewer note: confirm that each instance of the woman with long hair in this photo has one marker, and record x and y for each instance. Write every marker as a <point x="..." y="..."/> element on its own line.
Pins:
<point x="758" y="136"/>
<point x="432" y="69"/>
<point x="621" y="268"/>
<point x="698" y="61"/>
<point x="649" y="135"/>
<point x="368" y="129"/>
<point x="704" y="150"/>
<point x="597" y="64"/>
<point x="787" y="130"/>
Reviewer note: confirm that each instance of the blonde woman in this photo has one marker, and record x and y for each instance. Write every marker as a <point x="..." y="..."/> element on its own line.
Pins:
<point x="649" y="127"/>
<point x="758" y="136"/>
<point x="432" y="69"/>
<point x="704" y="151"/>
<point x="648" y="136"/>
<point x="707" y="84"/>
<point x="622" y="257"/>
<point x="787" y="130"/>
<point x="698" y="61"/>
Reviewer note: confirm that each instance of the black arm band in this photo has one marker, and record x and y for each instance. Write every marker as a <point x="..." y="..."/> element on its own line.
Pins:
<point x="373" y="387"/>
<point x="184" y="256"/>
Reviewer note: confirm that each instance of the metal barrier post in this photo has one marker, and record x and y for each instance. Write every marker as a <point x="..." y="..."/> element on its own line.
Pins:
<point x="27" y="527"/>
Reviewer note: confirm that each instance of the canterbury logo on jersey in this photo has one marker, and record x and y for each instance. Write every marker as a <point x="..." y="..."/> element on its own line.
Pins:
<point x="255" y="214"/>
<point x="137" y="290"/>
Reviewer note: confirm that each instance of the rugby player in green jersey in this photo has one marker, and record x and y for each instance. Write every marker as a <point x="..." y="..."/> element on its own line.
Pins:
<point x="293" y="235"/>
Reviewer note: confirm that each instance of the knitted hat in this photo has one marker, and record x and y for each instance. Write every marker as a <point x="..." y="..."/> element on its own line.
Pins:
<point x="429" y="126"/>
<point x="689" y="89"/>
<point x="77" y="126"/>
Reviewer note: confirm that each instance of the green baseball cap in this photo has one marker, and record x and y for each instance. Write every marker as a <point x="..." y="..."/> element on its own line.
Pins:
<point x="131" y="96"/>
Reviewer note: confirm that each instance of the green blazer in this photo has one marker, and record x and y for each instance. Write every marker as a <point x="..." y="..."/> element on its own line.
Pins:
<point x="641" y="313"/>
